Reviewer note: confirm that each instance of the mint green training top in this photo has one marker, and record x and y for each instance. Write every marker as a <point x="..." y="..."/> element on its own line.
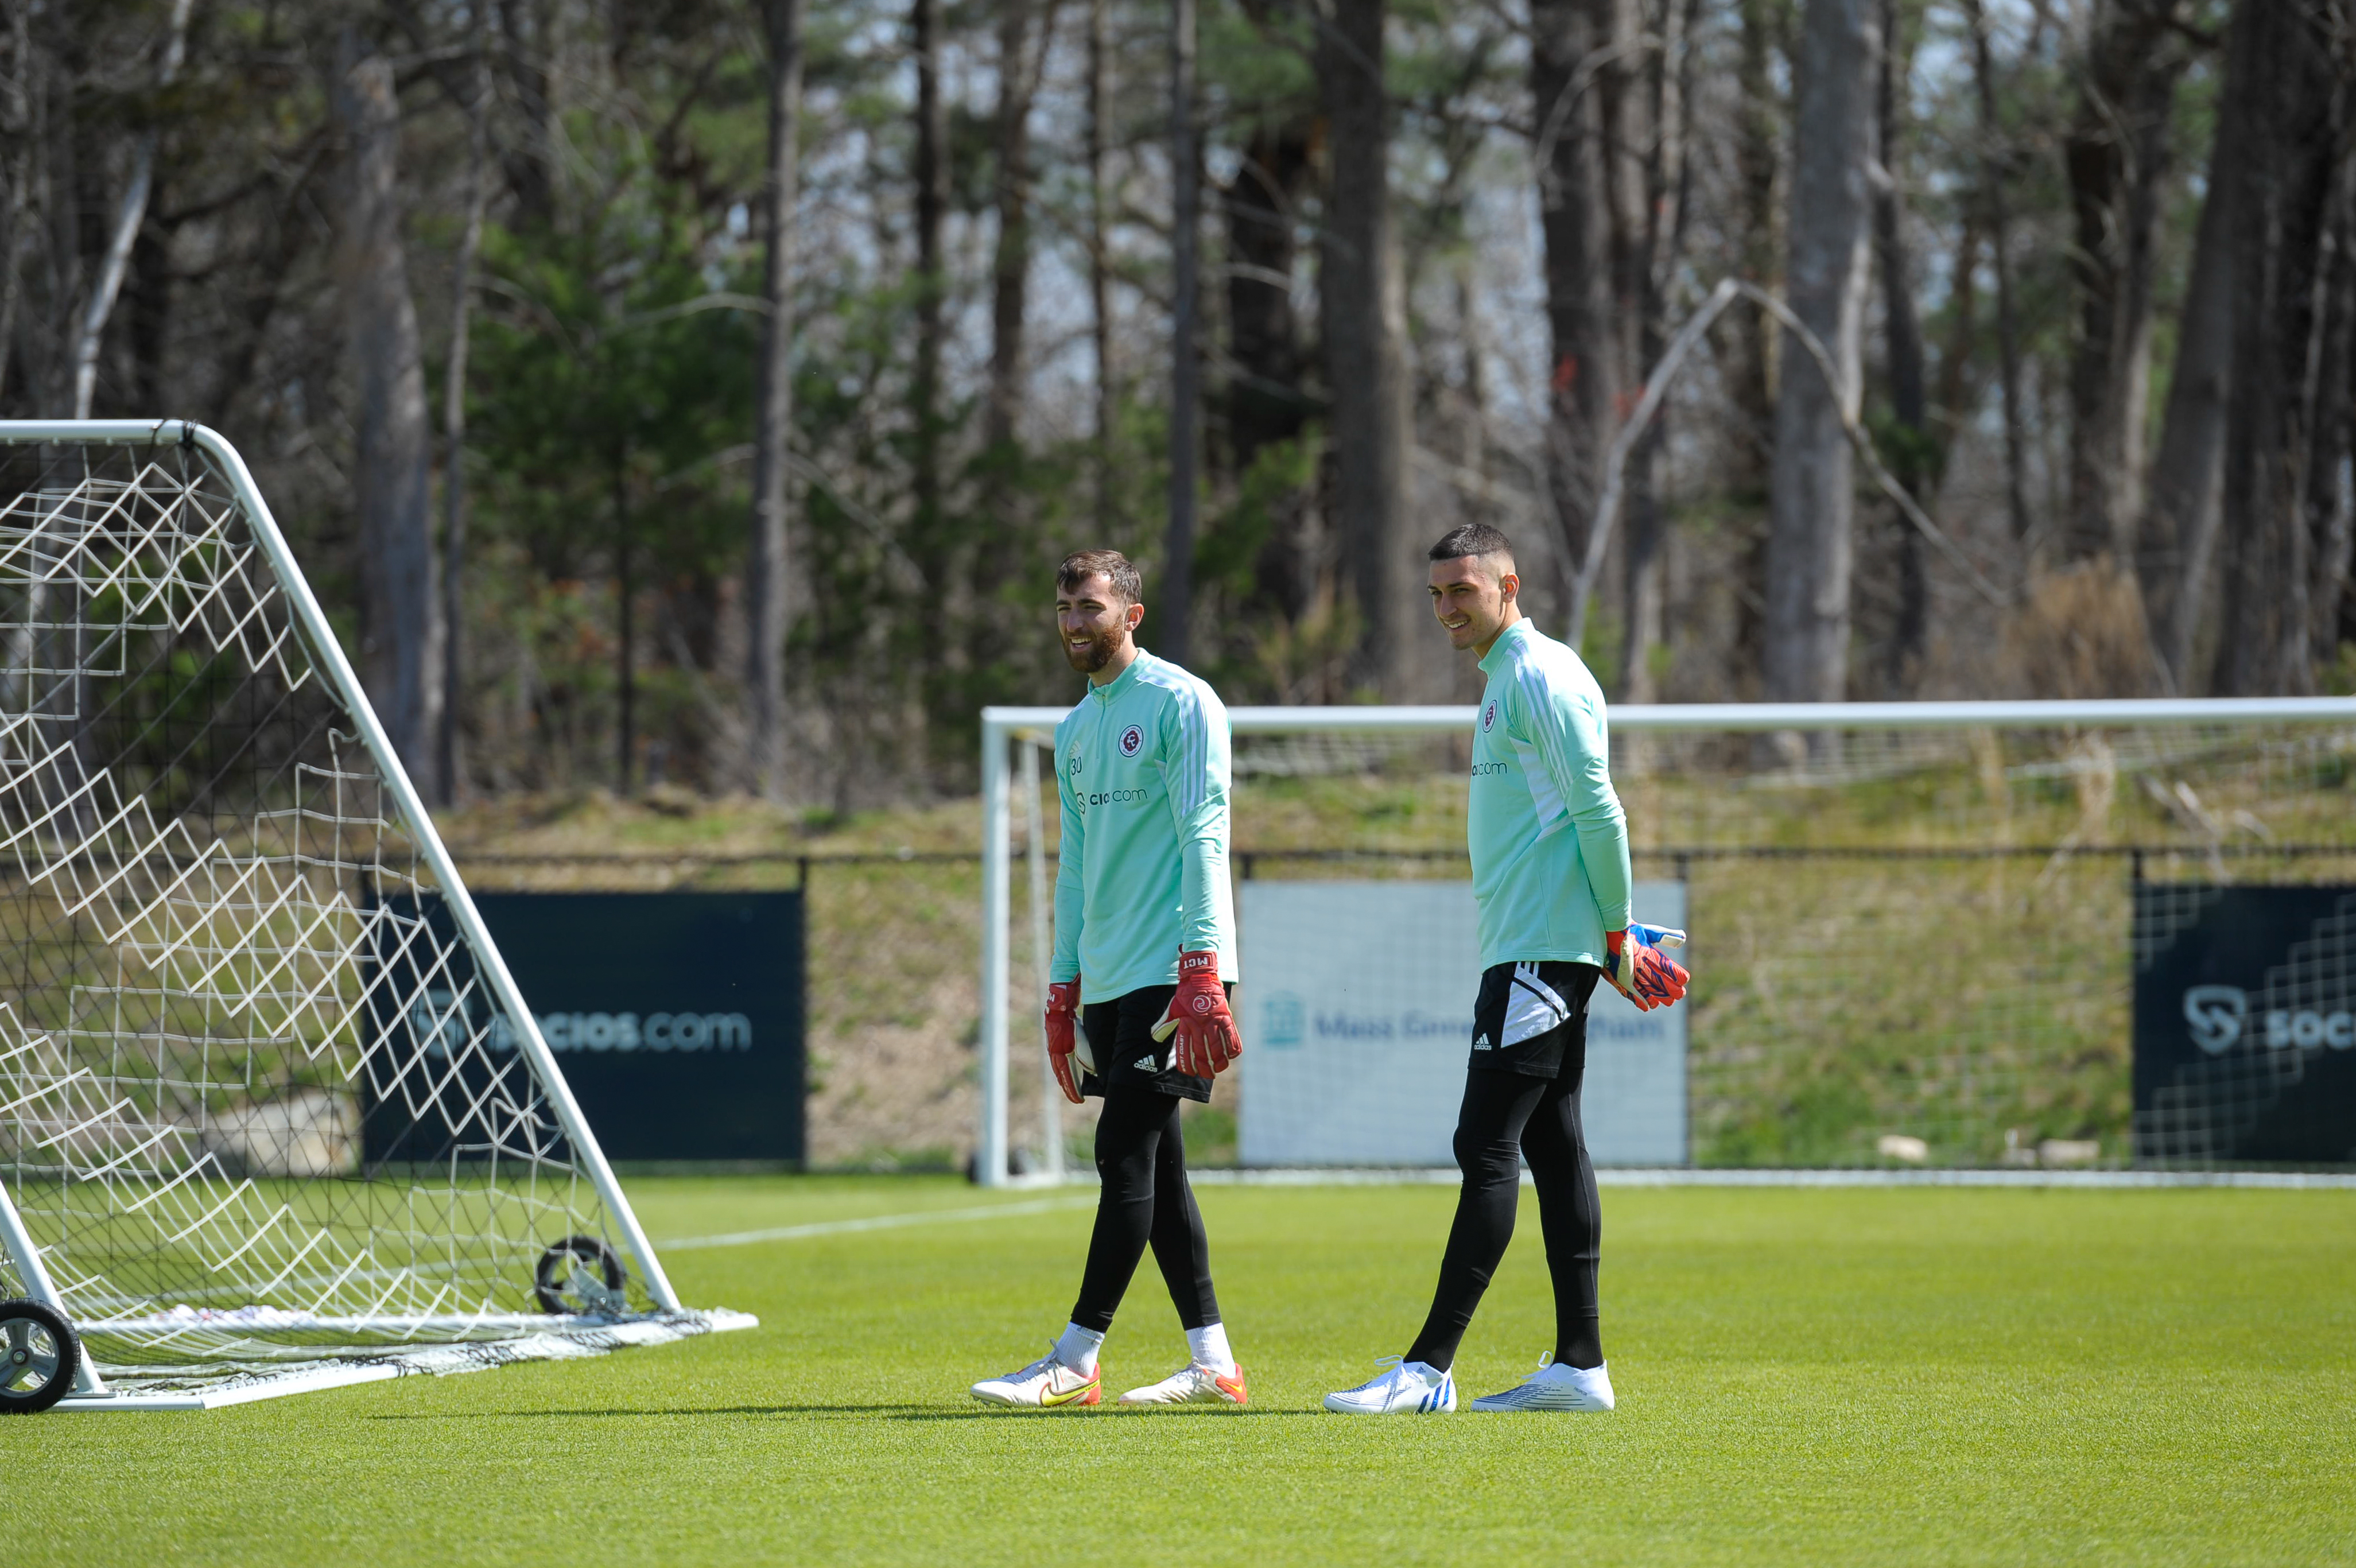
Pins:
<point x="1549" y="841"/>
<point x="1142" y="767"/>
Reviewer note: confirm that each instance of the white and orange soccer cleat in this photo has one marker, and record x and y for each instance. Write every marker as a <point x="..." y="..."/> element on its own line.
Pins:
<point x="1045" y="1384"/>
<point x="1194" y="1384"/>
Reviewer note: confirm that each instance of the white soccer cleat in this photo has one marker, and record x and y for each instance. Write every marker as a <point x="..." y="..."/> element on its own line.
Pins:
<point x="1194" y="1384"/>
<point x="1045" y="1384"/>
<point x="1554" y="1386"/>
<point x="1409" y="1387"/>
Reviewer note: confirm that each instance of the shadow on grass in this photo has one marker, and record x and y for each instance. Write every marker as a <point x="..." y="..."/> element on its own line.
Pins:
<point x="904" y="1411"/>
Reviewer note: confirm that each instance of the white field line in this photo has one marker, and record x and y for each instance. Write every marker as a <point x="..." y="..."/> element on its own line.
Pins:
<point x="879" y="1222"/>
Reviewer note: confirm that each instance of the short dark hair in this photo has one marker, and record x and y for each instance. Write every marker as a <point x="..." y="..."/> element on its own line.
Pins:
<point x="1116" y="569"/>
<point x="1472" y="539"/>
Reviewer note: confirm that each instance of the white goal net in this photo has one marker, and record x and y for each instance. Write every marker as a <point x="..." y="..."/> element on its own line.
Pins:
<point x="271" y="1112"/>
<point x="1937" y="935"/>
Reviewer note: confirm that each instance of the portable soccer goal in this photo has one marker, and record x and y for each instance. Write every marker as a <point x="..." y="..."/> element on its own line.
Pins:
<point x="1919" y="934"/>
<point x="273" y="1114"/>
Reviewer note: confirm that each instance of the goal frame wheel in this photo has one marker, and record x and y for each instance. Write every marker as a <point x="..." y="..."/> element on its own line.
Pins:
<point x="554" y="1274"/>
<point x="19" y="1316"/>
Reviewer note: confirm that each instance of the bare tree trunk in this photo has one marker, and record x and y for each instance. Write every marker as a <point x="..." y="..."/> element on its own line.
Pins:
<point x="2324" y="509"/>
<point x="133" y="212"/>
<point x="2280" y="78"/>
<point x="400" y="629"/>
<point x="1365" y="333"/>
<point x="1569" y="49"/>
<point x="1177" y="596"/>
<point x="56" y="260"/>
<point x="1956" y="395"/>
<point x="1810" y="497"/>
<point x="146" y="307"/>
<point x="1902" y="336"/>
<point x="67" y="193"/>
<point x="932" y="206"/>
<point x="1107" y="392"/>
<point x="1750" y="363"/>
<point x="2117" y="157"/>
<point x="1478" y="443"/>
<point x="1018" y="82"/>
<point x="1265" y="402"/>
<point x="20" y="132"/>
<point x="286" y="235"/>
<point x="1996" y="163"/>
<point x="1656" y="140"/>
<point x="766" y="575"/>
<point x="626" y="648"/>
<point x="531" y="161"/>
<point x="448" y="771"/>
<point x="2179" y="529"/>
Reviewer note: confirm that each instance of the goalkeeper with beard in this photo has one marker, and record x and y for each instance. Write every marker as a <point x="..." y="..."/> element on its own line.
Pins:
<point x="1145" y="954"/>
<point x="1551" y="876"/>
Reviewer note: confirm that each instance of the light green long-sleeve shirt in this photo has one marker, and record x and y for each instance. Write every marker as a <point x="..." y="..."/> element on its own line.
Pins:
<point x="1141" y="765"/>
<point x="1548" y="839"/>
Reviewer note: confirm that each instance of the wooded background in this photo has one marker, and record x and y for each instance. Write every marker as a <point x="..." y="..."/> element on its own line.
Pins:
<point x="699" y="392"/>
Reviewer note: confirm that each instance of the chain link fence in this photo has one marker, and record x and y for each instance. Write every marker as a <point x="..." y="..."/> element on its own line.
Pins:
<point x="1913" y="942"/>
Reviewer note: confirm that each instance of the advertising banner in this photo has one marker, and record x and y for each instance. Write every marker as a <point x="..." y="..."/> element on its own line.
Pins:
<point x="676" y="1018"/>
<point x="2245" y="1023"/>
<point x="1356" y="1009"/>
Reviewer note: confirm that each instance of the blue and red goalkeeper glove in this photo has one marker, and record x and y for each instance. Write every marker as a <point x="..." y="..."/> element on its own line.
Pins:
<point x="1198" y="1015"/>
<point x="1642" y="972"/>
<point x="1064" y="1040"/>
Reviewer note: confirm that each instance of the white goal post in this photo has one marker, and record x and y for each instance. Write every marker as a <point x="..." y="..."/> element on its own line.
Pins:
<point x="1005" y="730"/>
<point x="273" y="1113"/>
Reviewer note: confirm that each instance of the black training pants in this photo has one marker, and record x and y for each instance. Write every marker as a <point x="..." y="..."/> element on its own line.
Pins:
<point x="1145" y="1199"/>
<point x="1508" y="1117"/>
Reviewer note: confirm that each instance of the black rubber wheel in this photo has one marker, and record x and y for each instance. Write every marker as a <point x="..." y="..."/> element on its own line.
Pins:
<point x="553" y="1281"/>
<point x="38" y="1354"/>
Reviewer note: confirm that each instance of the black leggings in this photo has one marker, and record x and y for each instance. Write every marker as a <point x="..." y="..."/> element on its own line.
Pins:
<point x="1507" y="1118"/>
<point x="1142" y="1159"/>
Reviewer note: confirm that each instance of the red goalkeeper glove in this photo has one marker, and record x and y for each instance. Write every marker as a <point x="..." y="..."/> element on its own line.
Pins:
<point x="1063" y="1039"/>
<point x="1198" y="1015"/>
<point x="1642" y="972"/>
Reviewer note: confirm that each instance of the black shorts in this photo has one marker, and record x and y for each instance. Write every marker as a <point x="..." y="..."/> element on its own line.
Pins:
<point x="1532" y="1017"/>
<point x="1120" y="1038"/>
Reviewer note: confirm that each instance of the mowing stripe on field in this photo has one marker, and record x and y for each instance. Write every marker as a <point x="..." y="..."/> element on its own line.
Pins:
<point x="879" y="1222"/>
<point x="1625" y="1176"/>
<point x="1691" y="1176"/>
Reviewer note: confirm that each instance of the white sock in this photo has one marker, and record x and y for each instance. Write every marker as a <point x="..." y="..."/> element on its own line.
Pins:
<point x="1077" y="1347"/>
<point x="1208" y="1345"/>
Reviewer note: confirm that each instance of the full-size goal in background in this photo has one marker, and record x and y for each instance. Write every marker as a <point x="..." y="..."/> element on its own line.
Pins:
<point x="273" y="1112"/>
<point x="1916" y="932"/>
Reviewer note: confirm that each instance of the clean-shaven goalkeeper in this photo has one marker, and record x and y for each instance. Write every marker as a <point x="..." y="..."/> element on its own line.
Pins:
<point x="1144" y="953"/>
<point x="1550" y="875"/>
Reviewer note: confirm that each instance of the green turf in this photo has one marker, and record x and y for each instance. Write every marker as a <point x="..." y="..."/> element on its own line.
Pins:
<point x="1843" y="1375"/>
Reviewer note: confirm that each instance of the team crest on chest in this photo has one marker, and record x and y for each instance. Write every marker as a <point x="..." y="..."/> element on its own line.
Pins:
<point x="1489" y="716"/>
<point x="1132" y="741"/>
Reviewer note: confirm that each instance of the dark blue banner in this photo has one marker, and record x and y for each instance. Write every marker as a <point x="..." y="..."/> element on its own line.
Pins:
<point x="676" y="1018"/>
<point x="2245" y="1023"/>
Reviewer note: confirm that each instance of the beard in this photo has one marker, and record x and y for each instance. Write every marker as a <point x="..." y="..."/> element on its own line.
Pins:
<point x="1087" y="660"/>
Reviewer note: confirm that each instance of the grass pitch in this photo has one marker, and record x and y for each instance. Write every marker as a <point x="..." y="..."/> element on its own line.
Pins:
<point x="1828" y="1376"/>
